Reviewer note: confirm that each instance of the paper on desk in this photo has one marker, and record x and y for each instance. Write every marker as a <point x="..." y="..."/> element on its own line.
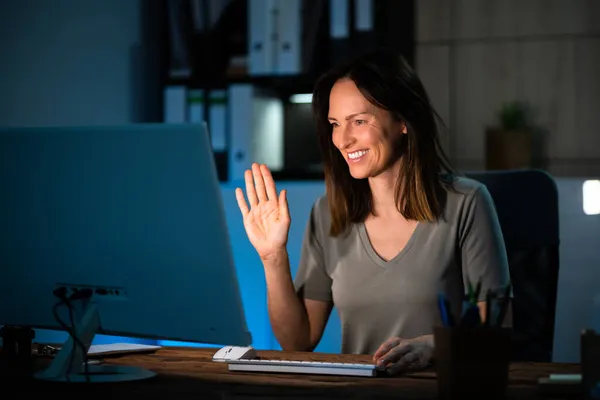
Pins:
<point x="121" y="348"/>
<point x="565" y="377"/>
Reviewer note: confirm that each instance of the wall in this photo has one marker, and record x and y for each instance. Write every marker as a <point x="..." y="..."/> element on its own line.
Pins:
<point x="70" y="62"/>
<point x="578" y="300"/>
<point x="475" y="54"/>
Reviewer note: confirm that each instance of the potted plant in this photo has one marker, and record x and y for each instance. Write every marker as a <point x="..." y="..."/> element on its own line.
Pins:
<point x="509" y="145"/>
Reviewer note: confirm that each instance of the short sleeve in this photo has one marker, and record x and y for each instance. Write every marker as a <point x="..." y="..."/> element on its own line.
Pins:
<point x="312" y="280"/>
<point x="482" y="245"/>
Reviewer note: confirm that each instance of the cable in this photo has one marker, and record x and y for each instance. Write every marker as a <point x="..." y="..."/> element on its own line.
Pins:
<point x="76" y="343"/>
<point x="60" y="293"/>
<point x="79" y="295"/>
<point x="66" y="328"/>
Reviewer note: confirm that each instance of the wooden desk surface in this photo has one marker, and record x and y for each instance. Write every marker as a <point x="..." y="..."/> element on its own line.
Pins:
<point x="190" y="373"/>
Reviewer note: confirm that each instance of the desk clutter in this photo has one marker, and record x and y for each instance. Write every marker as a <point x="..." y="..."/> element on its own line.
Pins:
<point x="471" y="355"/>
<point x="99" y="350"/>
<point x="495" y="312"/>
<point x="187" y="372"/>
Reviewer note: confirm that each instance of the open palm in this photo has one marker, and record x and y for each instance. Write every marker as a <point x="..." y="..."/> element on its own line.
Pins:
<point x="267" y="217"/>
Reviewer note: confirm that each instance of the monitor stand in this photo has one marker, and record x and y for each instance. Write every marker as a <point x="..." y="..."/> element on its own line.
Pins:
<point x="68" y="364"/>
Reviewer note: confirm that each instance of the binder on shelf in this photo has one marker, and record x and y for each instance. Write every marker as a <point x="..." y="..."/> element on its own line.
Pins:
<point x="339" y="28"/>
<point x="179" y="39"/>
<point x="175" y="104"/>
<point x="216" y="9"/>
<point x="261" y="44"/>
<point x="255" y="129"/>
<point x="364" y="38"/>
<point x="282" y="35"/>
<point x="339" y="13"/>
<point x="212" y="111"/>
<point x="206" y="13"/>
<point x="198" y="15"/>
<point x="289" y="35"/>
<point x="195" y="106"/>
<point x="363" y="16"/>
<point x="217" y="119"/>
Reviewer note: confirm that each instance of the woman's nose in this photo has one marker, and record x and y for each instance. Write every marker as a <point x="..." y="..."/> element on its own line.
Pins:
<point x="344" y="138"/>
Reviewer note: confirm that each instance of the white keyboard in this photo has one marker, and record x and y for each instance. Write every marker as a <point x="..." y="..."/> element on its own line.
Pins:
<point x="303" y="367"/>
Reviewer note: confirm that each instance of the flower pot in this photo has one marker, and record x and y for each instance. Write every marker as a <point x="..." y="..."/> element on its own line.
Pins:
<point x="508" y="149"/>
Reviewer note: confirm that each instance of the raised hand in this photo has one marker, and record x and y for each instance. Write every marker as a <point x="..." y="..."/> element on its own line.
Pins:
<point x="267" y="217"/>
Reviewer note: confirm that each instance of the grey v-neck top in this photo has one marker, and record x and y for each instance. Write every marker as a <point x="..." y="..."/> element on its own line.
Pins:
<point x="377" y="299"/>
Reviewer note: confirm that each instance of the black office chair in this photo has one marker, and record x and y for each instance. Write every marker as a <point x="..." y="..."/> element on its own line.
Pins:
<point x="527" y="206"/>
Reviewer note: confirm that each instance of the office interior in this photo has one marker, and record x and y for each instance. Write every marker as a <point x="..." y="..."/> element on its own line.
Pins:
<point x="86" y="63"/>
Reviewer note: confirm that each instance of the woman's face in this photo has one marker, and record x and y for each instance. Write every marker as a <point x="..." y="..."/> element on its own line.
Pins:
<point x="366" y="135"/>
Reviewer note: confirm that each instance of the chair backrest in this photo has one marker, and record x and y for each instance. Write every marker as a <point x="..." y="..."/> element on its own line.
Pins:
<point x="527" y="206"/>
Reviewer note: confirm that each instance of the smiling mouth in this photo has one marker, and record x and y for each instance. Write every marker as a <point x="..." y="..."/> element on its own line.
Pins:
<point x="356" y="156"/>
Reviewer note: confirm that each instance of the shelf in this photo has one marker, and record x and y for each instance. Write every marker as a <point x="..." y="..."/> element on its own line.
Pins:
<point x="219" y="59"/>
<point x="284" y="84"/>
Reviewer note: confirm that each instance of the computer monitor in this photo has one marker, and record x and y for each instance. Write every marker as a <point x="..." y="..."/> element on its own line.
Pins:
<point x="128" y="223"/>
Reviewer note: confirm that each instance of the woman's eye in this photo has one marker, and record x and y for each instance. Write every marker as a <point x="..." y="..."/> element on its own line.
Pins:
<point x="360" y="121"/>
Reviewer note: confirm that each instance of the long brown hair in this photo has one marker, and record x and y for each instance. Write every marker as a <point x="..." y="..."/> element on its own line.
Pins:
<point x="388" y="82"/>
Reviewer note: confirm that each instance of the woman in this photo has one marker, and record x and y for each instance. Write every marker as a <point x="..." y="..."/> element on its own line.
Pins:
<point x="395" y="229"/>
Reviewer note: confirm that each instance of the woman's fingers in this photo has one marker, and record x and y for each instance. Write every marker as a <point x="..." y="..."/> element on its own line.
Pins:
<point x="259" y="183"/>
<point x="250" y="191"/>
<point x="396" y="353"/>
<point x="284" y="210"/>
<point x="269" y="182"/>
<point x="260" y="186"/>
<point x="239" y="195"/>
<point x="404" y="363"/>
<point x="385" y="347"/>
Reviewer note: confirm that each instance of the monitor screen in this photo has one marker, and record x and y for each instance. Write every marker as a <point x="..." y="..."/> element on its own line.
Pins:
<point x="130" y="214"/>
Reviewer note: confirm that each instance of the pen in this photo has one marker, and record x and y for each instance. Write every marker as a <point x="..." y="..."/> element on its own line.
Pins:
<point x="442" y="305"/>
<point x="471" y="317"/>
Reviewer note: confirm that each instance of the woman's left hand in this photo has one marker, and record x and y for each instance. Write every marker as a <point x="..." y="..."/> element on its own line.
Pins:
<point x="400" y="355"/>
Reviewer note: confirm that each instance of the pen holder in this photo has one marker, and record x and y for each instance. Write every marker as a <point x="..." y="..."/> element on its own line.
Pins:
<point x="472" y="361"/>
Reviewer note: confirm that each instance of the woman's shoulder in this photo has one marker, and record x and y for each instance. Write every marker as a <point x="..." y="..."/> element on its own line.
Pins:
<point x="463" y="186"/>
<point x="321" y="204"/>
<point x="462" y="191"/>
<point x="319" y="212"/>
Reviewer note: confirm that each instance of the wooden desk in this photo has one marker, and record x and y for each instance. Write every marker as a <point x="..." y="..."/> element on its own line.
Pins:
<point x="190" y="373"/>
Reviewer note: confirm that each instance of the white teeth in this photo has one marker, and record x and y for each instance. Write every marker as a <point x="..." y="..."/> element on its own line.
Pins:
<point x="357" y="154"/>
